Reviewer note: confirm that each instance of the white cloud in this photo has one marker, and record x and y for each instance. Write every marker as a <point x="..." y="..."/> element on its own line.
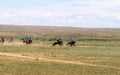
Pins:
<point x="116" y="16"/>
<point x="19" y="19"/>
<point x="76" y="18"/>
<point x="119" y="17"/>
<point x="7" y="15"/>
<point x="75" y="12"/>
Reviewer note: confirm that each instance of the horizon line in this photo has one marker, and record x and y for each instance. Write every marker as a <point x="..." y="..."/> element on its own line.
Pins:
<point x="55" y="26"/>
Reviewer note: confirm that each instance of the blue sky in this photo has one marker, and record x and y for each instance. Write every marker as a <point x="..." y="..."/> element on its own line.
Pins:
<point x="74" y="13"/>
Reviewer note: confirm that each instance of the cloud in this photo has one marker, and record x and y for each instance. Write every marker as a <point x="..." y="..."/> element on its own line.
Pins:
<point x="7" y="15"/>
<point x="87" y="13"/>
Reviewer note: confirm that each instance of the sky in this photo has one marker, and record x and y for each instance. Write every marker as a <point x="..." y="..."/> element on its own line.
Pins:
<point x="72" y="13"/>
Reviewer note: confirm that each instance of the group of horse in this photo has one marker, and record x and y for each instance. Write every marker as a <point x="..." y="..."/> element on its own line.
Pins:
<point x="2" y="39"/>
<point x="28" y="40"/>
<point x="60" y="42"/>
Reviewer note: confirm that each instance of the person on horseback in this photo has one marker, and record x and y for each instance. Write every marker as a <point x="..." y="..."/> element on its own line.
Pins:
<point x="71" y="43"/>
<point x="58" y="42"/>
<point x="27" y="40"/>
<point x="2" y="40"/>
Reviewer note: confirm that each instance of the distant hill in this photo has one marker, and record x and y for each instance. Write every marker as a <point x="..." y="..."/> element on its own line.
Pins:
<point x="59" y="32"/>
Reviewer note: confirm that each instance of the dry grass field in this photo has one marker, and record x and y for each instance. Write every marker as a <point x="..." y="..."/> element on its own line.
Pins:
<point x="97" y="51"/>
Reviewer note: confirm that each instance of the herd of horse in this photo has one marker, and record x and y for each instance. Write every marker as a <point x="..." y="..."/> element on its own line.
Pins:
<point x="28" y="40"/>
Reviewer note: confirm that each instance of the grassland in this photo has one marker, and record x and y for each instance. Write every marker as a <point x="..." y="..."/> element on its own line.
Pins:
<point x="51" y="33"/>
<point x="96" y="54"/>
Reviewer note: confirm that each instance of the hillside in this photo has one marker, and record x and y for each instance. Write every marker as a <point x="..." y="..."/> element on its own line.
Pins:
<point x="59" y="32"/>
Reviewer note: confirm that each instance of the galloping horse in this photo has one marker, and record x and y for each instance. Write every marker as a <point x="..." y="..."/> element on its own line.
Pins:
<point x="2" y="40"/>
<point x="71" y="43"/>
<point x="58" y="42"/>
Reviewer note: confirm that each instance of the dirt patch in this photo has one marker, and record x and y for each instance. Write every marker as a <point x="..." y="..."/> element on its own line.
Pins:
<point x="13" y="44"/>
<point x="8" y="34"/>
<point x="54" y="60"/>
<point x="17" y="44"/>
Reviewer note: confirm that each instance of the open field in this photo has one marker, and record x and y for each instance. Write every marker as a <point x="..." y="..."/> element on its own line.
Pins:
<point x="51" y="33"/>
<point x="97" y="51"/>
<point x="87" y="58"/>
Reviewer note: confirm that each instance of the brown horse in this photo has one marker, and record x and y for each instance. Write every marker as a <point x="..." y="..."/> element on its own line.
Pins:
<point x="58" y="42"/>
<point x="27" y="40"/>
<point x="2" y="40"/>
<point x="71" y="43"/>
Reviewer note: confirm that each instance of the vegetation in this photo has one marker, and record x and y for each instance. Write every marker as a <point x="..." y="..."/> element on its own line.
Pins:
<point x="96" y="53"/>
<point x="50" y="33"/>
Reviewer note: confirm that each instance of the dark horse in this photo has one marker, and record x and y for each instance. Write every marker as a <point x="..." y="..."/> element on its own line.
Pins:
<point x="2" y="40"/>
<point x="27" y="40"/>
<point x="71" y="43"/>
<point x="58" y="42"/>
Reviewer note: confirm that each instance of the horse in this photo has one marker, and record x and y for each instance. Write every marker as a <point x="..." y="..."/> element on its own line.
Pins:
<point x="2" y="40"/>
<point x="27" y="40"/>
<point x="58" y="42"/>
<point x="71" y="43"/>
